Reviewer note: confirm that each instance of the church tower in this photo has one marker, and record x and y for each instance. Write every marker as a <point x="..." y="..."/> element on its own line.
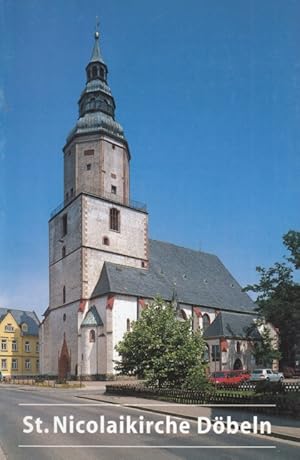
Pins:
<point x="97" y="221"/>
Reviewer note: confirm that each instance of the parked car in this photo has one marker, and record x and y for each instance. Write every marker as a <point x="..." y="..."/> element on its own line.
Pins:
<point x="266" y="374"/>
<point x="229" y="377"/>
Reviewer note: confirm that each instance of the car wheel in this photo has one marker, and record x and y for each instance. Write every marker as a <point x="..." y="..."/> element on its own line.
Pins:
<point x="267" y="379"/>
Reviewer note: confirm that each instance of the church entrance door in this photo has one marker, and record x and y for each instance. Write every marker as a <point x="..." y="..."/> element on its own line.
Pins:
<point x="64" y="362"/>
<point x="237" y="364"/>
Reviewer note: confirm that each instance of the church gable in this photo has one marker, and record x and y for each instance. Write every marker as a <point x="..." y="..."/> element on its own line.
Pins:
<point x="92" y="318"/>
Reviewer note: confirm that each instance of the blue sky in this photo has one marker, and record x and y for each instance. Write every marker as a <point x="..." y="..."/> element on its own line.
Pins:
<point x="208" y="93"/>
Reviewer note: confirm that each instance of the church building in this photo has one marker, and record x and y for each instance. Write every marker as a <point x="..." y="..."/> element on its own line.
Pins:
<point x="103" y="268"/>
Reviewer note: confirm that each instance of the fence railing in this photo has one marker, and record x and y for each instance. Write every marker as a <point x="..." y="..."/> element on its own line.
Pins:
<point x="283" y="404"/>
<point x="107" y="196"/>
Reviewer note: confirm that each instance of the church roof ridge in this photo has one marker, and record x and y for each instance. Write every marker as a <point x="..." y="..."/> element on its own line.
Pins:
<point x="201" y="279"/>
<point x="179" y="246"/>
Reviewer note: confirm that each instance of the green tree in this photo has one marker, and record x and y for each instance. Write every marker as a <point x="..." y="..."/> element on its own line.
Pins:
<point x="264" y="351"/>
<point x="278" y="298"/>
<point x="160" y="348"/>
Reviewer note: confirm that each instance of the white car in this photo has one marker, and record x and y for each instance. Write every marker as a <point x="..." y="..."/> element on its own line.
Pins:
<point x="265" y="374"/>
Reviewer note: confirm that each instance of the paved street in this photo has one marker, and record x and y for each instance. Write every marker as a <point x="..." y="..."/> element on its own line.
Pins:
<point x="12" y="436"/>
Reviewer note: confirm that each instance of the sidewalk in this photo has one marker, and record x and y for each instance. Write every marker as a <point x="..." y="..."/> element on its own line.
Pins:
<point x="282" y="427"/>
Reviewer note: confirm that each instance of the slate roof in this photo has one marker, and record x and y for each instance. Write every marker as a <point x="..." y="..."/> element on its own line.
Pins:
<point x="233" y="325"/>
<point x="201" y="279"/>
<point x="22" y="316"/>
<point x="92" y="318"/>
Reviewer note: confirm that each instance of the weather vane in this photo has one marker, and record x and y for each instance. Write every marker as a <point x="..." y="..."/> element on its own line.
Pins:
<point x="97" y="27"/>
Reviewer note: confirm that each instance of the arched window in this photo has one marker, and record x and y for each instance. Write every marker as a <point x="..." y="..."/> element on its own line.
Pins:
<point x="98" y="103"/>
<point x="183" y="315"/>
<point x="101" y="72"/>
<point x="105" y="241"/>
<point x="238" y="347"/>
<point x="114" y="219"/>
<point x="128" y="325"/>
<point x="64" y="294"/>
<point x="205" y="322"/>
<point x="94" y="71"/>
<point x="206" y="353"/>
<point x="92" y="336"/>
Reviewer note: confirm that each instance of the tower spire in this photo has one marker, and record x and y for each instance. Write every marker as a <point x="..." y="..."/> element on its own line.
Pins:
<point x="96" y="53"/>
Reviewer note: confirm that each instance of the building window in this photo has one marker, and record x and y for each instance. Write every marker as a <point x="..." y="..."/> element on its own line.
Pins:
<point x="14" y="345"/>
<point x="27" y="347"/>
<point x="238" y="347"/>
<point x="113" y="146"/>
<point x="88" y="166"/>
<point x="92" y="336"/>
<point x="205" y="322"/>
<point x="27" y="364"/>
<point x="89" y="152"/>
<point x="37" y="365"/>
<point x="72" y="192"/>
<point x="63" y="251"/>
<point x="206" y="353"/>
<point x="37" y="347"/>
<point x="114" y="189"/>
<point x="105" y="241"/>
<point x="64" y="317"/>
<point x="64" y="224"/>
<point x="101" y="72"/>
<point x="14" y="364"/>
<point x="4" y="364"/>
<point x="114" y="219"/>
<point x="183" y="315"/>
<point x="64" y="294"/>
<point x="9" y="328"/>
<point x="128" y="325"/>
<point x="215" y="352"/>
<point x="94" y="71"/>
<point x="3" y="345"/>
<point x="24" y="327"/>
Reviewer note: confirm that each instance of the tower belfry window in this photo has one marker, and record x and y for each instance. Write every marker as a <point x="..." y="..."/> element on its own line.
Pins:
<point x="64" y="224"/>
<point x="94" y="71"/>
<point x="114" y="219"/>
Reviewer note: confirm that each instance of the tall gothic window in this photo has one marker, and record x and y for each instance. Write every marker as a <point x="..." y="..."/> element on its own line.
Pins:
<point x="64" y="294"/>
<point x="114" y="219"/>
<point x="205" y="322"/>
<point x="206" y="353"/>
<point x="92" y="336"/>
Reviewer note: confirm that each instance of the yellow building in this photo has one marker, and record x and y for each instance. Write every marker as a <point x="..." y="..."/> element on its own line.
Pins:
<point x="19" y="343"/>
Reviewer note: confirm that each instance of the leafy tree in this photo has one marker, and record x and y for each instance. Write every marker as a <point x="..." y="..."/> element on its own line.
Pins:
<point x="160" y="348"/>
<point x="292" y="241"/>
<point x="278" y="299"/>
<point x="264" y="351"/>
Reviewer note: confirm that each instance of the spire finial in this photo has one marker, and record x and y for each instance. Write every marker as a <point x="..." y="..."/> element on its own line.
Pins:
<point x="97" y="27"/>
